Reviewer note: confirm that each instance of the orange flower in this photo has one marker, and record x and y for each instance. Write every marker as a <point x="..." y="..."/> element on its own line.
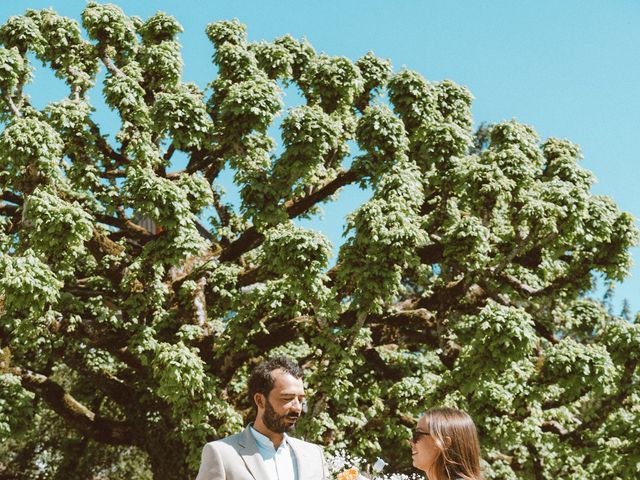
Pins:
<point x="351" y="474"/>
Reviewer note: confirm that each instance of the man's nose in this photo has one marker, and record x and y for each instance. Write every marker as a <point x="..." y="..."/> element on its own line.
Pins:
<point x="296" y="405"/>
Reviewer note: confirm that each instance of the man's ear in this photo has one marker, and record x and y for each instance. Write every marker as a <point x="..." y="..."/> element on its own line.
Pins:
<point x="259" y="399"/>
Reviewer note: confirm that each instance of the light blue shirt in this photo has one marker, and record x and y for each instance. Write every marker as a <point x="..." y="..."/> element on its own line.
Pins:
<point x="281" y="463"/>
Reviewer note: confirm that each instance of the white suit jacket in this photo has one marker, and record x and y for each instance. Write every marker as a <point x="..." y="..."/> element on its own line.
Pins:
<point x="237" y="458"/>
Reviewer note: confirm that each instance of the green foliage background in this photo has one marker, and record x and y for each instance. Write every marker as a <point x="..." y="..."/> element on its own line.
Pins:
<point x="134" y="300"/>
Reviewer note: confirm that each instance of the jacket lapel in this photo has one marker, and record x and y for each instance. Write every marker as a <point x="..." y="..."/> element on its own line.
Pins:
<point x="248" y="450"/>
<point x="303" y="463"/>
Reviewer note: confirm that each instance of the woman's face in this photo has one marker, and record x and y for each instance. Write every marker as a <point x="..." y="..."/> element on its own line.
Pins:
<point x="424" y="450"/>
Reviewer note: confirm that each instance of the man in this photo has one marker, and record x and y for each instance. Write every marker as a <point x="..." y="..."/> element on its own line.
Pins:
<point x="263" y="450"/>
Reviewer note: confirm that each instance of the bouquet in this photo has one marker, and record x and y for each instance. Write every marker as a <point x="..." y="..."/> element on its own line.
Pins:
<point x="343" y="466"/>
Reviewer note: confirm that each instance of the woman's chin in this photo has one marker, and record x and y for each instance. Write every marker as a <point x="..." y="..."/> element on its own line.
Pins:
<point x="418" y="465"/>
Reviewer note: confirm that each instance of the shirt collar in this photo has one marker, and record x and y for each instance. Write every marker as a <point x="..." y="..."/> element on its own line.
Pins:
<point x="265" y="441"/>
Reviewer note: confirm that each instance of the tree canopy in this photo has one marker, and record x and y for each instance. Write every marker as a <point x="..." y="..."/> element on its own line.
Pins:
<point x="134" y="298"/>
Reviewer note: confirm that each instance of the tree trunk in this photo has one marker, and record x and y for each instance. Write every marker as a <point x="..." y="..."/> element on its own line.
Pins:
<point x="167" y="456"/>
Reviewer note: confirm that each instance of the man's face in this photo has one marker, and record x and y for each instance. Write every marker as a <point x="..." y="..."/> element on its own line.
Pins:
<point x="283" y="406"/>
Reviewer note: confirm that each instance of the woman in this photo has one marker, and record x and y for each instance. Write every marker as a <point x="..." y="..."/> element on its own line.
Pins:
<point x="445" y="445"/>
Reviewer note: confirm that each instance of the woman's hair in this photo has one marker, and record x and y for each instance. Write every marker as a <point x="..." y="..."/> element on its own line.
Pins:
<point x="456" y="437"/>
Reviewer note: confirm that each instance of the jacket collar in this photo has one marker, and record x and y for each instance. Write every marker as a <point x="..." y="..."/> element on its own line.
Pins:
<point x="251" y="456"/>
<point x="255" y="464"/>
<point x="302" y="459"/>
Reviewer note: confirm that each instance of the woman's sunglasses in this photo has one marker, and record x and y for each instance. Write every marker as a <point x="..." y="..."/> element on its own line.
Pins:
<point x="416" y="434"/>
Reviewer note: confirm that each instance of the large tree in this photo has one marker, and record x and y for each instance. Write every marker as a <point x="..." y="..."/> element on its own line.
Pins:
<point x="134" y="298"/>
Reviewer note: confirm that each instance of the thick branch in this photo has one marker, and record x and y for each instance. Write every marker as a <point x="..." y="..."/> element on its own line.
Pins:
<point x="381" y="368"/>
<point x="12" y="105"/>
<point x="537" y="461"/>
<point x="520" y="287"/>
<point x="111" y="174"/>
<point x="410" y="327"/>
<point x="12" y="197"/>
<point x="278" y="332"/>
<point x="210" y="165"/>
<point x="606" y="406"/>
<point x="12" y="212"/>
<point x="112" y="340"/>
<point x="431" y="253"/>
<point x="8" y="210"/>
<point x="101" y="245"/>
<point x="254" y="275"/>
<point x="552" y="426"/>
<point x="573" y="276"/>
<point x="133" y="229"/>
<point x="206" y="234"/>
<point x="169" y="153"/>
<point x="460" y="296"/>
<point x="198" y="160"/>
<point x="458" y="293"/>
<point x="111" y="67"/>
<point x="224" y="212"/>
<point x="103" y="146"/>
<point x="75" y="413"/>
<point x="522" y="247"/>
<point x="299" y="206"/>
<point x="112" y="386"/>
<point x="251" y="238"/>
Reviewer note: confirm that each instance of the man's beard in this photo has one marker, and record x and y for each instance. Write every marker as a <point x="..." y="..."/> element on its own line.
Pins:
<point x="277" y="423"/>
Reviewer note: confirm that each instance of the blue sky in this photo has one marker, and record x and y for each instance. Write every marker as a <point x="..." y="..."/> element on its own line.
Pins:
<point x="569" y="68"/>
